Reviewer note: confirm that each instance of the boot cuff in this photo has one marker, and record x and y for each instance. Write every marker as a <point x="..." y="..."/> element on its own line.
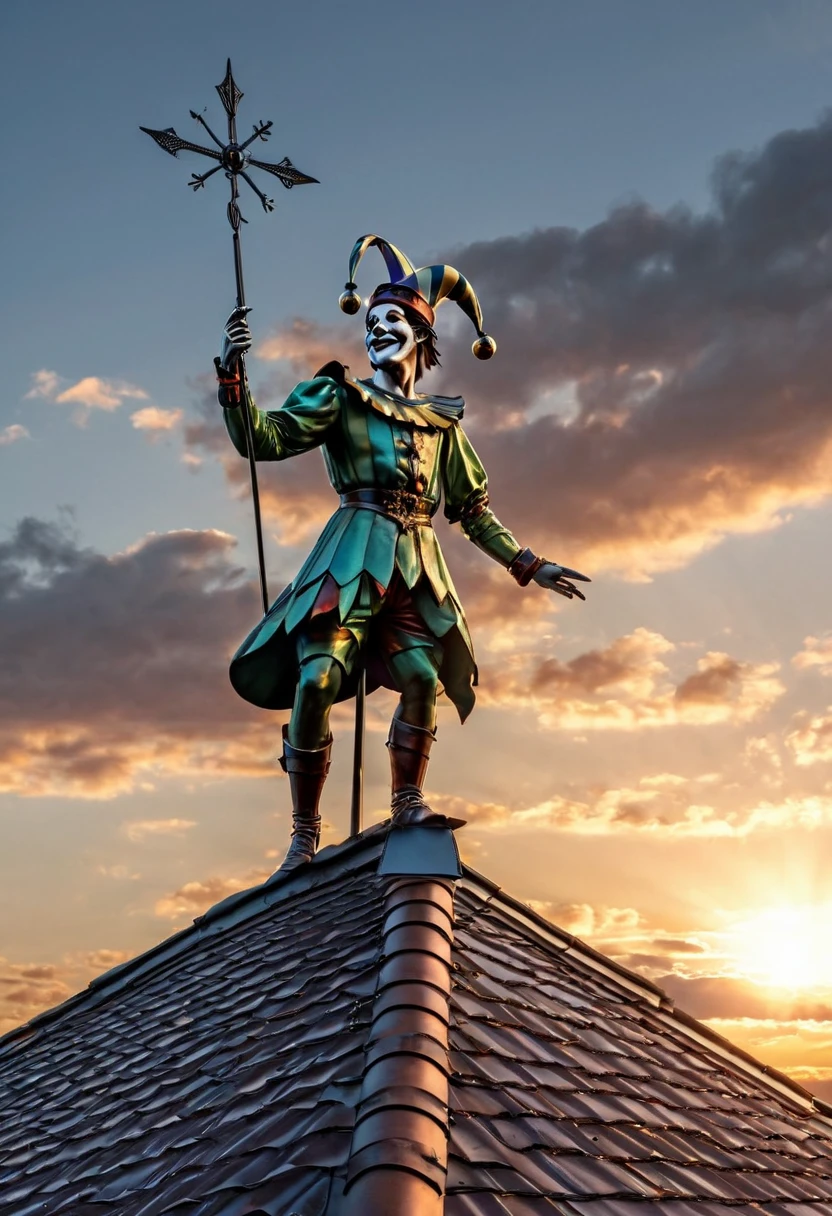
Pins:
<point x="411" y="738"/>
<point x="302" y="760"/>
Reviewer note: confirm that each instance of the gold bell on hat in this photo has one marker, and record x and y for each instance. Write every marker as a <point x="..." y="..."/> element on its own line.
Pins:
<point x="349" y="301"/>
<point x="484" y="347"/>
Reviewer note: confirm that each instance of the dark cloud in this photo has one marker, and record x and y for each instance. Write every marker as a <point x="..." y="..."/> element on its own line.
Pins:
<point x="621" y="664"/>
<point x="678" y="945"/>
<point x="111" y="665"/>
<point x="639" y="961"/>
<point x="662" y="377"/>
<point x="714" y="684"/>
<point x="666" y="812"/>
<point x="727" y="997"/>
<point x="627" y="685"/>
<point x="26" y="988"/>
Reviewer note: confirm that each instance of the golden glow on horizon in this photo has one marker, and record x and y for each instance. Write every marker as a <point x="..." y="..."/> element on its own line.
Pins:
<point x="786" y="947"/>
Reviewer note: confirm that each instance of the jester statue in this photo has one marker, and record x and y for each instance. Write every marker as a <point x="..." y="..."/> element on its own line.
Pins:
<point x="375" y="592"/>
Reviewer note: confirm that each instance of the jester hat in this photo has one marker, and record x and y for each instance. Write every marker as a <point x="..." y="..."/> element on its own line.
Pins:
<point x="420" y="290"/>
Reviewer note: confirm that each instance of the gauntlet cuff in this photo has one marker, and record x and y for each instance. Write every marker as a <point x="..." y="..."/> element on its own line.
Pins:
<point x="231" y="386"/>
<point x="525" y="566"/>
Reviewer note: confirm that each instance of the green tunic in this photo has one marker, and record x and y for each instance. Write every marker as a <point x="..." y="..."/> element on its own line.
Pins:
<point x="371" y="440"/>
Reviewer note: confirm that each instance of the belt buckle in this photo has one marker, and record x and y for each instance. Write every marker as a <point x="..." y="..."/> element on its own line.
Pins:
<point x="403" y="507"/>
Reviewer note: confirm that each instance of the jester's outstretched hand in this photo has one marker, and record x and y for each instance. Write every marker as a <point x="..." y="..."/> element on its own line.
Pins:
<point x="375" y="591"/>
<point x="558" y="578"/>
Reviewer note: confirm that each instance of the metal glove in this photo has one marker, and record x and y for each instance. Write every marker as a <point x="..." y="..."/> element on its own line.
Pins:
<point x="236" y="340"/>
<point x="558" y="578"/>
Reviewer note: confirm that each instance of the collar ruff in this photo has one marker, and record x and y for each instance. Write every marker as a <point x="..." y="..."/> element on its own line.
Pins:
<point x="424" y="410"/>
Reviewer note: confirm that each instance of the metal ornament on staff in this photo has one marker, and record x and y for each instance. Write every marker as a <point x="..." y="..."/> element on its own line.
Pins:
<point x="234" y="158"/>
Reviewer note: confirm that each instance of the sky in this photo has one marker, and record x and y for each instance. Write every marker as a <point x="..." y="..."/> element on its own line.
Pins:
<point x="641" y="193"/>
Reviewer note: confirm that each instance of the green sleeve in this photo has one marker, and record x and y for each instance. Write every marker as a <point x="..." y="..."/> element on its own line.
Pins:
<point x="466" y="499"/>
<point x="301" y="423"/>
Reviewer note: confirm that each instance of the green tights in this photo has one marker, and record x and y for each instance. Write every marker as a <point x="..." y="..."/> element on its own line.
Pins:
<point x="320" y="679"/>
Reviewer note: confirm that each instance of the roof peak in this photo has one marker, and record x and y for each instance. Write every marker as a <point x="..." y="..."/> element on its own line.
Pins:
<point x="363" y="852"/>
<point x="331" y="1024"/>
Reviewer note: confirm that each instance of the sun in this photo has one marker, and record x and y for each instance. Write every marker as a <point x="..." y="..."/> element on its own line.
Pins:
<point x="785" y="947"/>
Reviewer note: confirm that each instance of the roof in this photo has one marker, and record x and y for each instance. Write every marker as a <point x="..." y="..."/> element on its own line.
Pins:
<point x="220" y="1073"/>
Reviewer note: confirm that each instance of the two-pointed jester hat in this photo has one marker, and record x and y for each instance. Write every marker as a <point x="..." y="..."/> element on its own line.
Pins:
<point x="420" y="290"/>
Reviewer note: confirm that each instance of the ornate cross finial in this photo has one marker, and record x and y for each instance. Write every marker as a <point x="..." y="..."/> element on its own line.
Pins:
<point x="232" y="156"/>
<point x="235" y="159"/>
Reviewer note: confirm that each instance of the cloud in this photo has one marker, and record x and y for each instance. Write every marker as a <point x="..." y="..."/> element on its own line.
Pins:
<point x="138" y="830"/>
<point x="801" y="1047"/>
<point x="114" y="669"/>
<point x="45" y="384"/>
<point x="662" y="378"/>
<point x="816" y="652"/>
<point x="26" y="989"/>
<point x="196" y="897"/>
<point x="96" y="393"/>
<point x="89" y="393"/>
<point x="811" y="741"/>
<point x="640" y="810"/>
<point x="103" y="960"/>
<point x="155" y="421"/>
<point x="817" y="1079"/>
<point x="586" y="920"/>
<point x="677" y="945"/>
<point x="119" y="872"/>
<point x="762" y="755"/>
<point x="626" y="686"/>
<point x="307" y="346"/>
<point x="625" y="935"/>
<point x="12" y="434"/>
<point x="722" y="996"/>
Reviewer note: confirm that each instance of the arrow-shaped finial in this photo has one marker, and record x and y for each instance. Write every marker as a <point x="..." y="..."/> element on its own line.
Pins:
<point x="230" y="95"/>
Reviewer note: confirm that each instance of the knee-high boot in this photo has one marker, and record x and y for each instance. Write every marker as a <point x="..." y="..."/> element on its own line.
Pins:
<point x="409" y="748"/>
<point x="307" y="772"/>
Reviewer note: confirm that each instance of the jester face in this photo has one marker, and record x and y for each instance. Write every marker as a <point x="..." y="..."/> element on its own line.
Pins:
<point x="390" y="339"/>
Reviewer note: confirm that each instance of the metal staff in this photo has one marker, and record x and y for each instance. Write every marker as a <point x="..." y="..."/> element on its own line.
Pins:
<point x="235" y="159"/>
<point x="357" y="798"/>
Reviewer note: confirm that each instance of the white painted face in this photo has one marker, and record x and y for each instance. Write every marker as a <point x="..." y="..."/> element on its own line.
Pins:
<point x="390" y="338"/>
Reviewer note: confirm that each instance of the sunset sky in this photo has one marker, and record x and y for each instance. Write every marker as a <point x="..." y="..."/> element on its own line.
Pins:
<point x="641" y="193"/>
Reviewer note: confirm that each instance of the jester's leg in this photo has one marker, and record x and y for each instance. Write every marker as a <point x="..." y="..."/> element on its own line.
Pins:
<point x="319" y="682"/>
<point x="307" y="743"/>
<point x="411" y="737"/>
<point x="307" y="771"/>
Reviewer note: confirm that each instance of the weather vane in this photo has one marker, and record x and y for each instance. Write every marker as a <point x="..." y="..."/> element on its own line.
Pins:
<point x="235" y="159"/>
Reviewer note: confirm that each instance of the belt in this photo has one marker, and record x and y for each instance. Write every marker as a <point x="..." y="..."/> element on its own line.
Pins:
<point x="409" y="510"/>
